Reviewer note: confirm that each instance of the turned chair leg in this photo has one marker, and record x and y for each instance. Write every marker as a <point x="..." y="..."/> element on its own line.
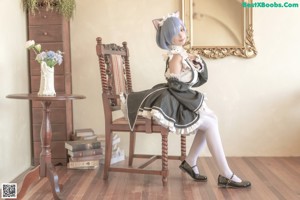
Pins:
<point x="183" y="147"/>
<point x="164" y="159"/>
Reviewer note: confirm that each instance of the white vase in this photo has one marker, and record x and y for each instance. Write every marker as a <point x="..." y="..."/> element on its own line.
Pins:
<point x="47" y="81"/>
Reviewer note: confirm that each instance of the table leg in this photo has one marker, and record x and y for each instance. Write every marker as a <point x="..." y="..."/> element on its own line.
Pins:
<point x="45" y="156"/>
<point x="46" y="137"/>
<point x="53" y="179"/>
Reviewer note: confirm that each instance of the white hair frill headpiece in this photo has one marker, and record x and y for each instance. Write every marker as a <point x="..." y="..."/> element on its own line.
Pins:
<point x="159" y="22"/>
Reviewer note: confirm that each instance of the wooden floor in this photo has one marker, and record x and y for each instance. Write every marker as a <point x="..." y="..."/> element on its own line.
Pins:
<point x="272" y="178"/>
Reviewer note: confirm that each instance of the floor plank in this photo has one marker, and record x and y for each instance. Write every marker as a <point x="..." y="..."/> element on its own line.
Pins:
<point x="271" y="177"/>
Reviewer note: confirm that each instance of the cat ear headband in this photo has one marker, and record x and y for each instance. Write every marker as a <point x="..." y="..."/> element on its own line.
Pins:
<point x="159" y="22"/>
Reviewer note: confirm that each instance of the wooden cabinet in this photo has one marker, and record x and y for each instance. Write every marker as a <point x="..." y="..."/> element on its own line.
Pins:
<point x="52" y="31"/>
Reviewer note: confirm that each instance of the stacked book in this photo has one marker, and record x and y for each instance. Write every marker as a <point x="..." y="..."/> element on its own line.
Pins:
<point x="118" y="154"/>
<point x="84" y="134"/>
<point x="85" y="151"/>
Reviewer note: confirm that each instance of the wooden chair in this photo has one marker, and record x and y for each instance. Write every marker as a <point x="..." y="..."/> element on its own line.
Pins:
<point x="116" y="78"/>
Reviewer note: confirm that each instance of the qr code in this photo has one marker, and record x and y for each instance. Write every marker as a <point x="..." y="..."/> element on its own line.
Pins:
<point x="9" y="190"/>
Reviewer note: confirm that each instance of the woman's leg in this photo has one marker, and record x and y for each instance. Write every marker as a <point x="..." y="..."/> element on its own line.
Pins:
<point x="209" y="130"/>
<point x="196" y="148"/>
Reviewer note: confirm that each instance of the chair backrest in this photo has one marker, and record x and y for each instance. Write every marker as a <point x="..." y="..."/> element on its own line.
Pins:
<point x="115" y="71"/>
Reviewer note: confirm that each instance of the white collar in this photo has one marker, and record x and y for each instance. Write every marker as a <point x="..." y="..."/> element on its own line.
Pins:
<point x="177" y="50"/>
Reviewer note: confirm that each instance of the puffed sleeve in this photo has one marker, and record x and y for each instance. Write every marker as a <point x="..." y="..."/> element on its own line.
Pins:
<point x="200" y="66"/>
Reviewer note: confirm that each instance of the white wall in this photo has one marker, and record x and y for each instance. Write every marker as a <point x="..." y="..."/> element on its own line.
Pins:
<point x="14" y="115"/>
<point x="256" y="100"/>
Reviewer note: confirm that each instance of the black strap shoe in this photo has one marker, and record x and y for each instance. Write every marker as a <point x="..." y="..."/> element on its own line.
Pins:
<point x="185" y="167"/>
<point x="225" y="182"/>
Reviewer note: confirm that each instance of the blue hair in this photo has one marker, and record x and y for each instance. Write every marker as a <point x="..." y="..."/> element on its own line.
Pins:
<point x="170" y="28"/>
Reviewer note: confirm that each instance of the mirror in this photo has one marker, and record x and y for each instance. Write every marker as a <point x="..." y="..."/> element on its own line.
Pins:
<point x="219" y="28"/>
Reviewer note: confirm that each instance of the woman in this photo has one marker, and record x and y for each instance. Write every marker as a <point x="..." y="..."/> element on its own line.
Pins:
<point x="179" y="108"/>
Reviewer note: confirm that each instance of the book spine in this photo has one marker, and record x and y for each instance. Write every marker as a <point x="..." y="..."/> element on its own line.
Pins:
<point x="90" y="138"/>
<point x="83" y="146"/>
<point x="85" y="153"/>
<point x="80" y="164"/>
<point x="89" y="167"/>
<point x="86" y="158"/>
<point x="84" y="132"/>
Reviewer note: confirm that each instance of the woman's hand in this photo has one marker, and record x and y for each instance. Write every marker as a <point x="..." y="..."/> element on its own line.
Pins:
<point x="196" y="60"/>
<point x="192" y="57"/>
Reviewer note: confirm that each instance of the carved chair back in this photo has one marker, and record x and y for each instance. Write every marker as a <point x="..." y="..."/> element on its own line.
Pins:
<point x="115" y="72"/>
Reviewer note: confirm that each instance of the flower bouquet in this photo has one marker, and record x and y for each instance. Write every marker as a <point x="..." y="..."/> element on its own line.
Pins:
<point x="50" y="57"/>
<point x="47" y="60"/>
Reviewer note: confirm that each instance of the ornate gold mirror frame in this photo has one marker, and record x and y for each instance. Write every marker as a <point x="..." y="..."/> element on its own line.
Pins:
<point x="232" y="28"/>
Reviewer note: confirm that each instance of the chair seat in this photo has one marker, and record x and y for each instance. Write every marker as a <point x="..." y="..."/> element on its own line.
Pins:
<point x="142" y="124"/>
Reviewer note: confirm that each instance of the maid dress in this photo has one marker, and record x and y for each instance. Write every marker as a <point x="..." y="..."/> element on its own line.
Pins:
<point x="174" y="104"/>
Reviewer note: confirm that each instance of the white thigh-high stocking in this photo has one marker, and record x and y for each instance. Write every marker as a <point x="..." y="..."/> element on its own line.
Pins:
<point x="209" y="130"/>
<point x="197" y="146"/>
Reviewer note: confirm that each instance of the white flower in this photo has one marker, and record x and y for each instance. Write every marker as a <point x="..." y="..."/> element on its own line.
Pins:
<point x="38" y="47"/>
<point x="29" y="44"/>
<point x="51" y="58"/>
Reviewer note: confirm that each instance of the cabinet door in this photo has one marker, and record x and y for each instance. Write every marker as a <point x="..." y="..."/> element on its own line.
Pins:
<point x="52" y="31"/>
